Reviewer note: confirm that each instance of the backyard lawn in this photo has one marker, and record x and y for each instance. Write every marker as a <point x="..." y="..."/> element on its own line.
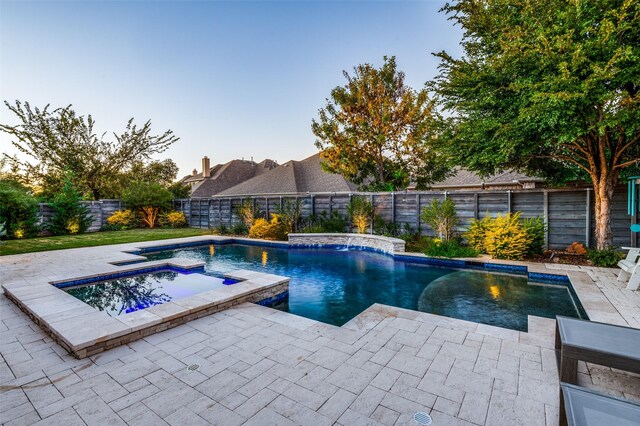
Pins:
<point x="95" y="239"/>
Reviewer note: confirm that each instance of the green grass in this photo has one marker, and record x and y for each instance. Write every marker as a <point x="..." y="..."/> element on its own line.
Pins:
<point x="30" y="245"/>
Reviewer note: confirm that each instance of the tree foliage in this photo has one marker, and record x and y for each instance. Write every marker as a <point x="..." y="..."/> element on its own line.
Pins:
<point x="377" y="132"/>
<point x="549" y="87"/>
<point x="60" y="140"/>
<point x="18" y="209"/>
<point x="360" y="212"/>
<point x="70" y="214"/>
<point x="441" y="217"/>
<point x="147" y="199"/>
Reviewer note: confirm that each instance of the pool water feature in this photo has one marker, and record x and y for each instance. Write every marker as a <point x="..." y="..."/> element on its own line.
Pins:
<point x="129" y="294"/>
<point x="333" y="286"/>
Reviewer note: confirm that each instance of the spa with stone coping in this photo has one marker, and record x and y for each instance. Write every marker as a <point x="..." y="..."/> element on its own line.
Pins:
<point x="85" y="331"/>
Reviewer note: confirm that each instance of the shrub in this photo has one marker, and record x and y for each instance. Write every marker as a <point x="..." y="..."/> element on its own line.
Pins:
<point x="576" y="248"/>
<point x="360" y="210"/>
<point x="239" y="229"/>
<point x="441" y="217"/>
<point x="272" y="230"/>
<point x="248" y="212"/>
<point x="18" y="209"/>
<point x="290" y="214"/>
<point x="70" y="214"/>
<point x="334" y="222"/>
<point x="535" y="229"/>
<point x="506" y="237"/>
<point x="607" y="258"/>
<point x="180" y="190"/>
<point x="476" y="233"/>
<point x="436" y="247"/>
<point x="147" y="199"/>
<point x="174" y="219"/>
<point x="388" y="229"/>
<point x="220" y="230"/>
<point x="122" y="219"/>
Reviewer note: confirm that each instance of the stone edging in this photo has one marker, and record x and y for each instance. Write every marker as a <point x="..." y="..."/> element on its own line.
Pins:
<point x="59" y="314"/>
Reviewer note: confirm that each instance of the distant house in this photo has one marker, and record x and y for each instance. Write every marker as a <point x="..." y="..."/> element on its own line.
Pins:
<point x="242" y="177"/>
<point x="213" y="180"/>
<point x="293" y="177"/>
<point x="464" y="179"/>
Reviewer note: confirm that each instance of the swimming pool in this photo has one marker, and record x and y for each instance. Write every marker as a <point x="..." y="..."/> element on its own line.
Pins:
<point x="334" y="285"/>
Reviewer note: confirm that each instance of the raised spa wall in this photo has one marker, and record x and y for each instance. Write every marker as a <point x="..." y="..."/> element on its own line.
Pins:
<point x="375" y="242"/>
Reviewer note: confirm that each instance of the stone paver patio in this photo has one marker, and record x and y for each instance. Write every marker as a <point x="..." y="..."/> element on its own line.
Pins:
<point x="262" y="366"/>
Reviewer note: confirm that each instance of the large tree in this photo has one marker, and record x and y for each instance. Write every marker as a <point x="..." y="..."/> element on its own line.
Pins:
<point x="550" y="87"/>
<point x="377" y="132"/>
<point x="60" y="141"/>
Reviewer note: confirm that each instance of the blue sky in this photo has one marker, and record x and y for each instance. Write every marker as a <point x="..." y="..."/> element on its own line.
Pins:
<point x="231" y="79"/>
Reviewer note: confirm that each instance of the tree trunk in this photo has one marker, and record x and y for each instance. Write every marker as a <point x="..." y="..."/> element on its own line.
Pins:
<point x="603" y="189"/>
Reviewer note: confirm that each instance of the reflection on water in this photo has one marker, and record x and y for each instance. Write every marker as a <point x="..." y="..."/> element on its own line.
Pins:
<point x="334" y="286"/>
<point x="494" y="299"/>
<point x="124" y="295"/>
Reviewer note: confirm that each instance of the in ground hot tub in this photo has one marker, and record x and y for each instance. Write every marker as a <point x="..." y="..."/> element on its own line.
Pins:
<point x="131" y="293"/>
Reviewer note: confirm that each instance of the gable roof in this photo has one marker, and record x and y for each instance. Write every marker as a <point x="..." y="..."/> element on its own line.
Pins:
<point x="293" y="177"/>
<point x="226" y="175"/>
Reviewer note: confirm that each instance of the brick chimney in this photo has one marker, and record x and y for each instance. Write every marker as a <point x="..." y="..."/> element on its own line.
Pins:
<point x="206" y="167"/>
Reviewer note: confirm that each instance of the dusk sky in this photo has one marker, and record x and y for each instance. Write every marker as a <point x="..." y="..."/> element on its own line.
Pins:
<point x="231" y="79"/>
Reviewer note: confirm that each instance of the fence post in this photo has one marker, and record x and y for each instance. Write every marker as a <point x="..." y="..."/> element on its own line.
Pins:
<point x="230" y="212"/>
<point x="545" y="213"/>
<point x="371" y="218"/>
<point x="587" y="232"/>
<point x="393" y="208"/>
<point x="509" y="201"/>
<point x="267" y="208"/>
<point x="330" y="205"/>
<point x="417" y="212"/>
<point x="476" y="206"/>
<point x="313" y="205"/>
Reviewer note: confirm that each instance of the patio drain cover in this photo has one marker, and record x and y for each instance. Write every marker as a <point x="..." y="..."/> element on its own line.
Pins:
<point x="193" y="367"/>
<point x="422" y="418"/>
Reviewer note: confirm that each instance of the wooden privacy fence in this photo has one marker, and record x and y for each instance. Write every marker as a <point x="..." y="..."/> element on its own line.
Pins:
<point x="99" y="210"/>
<point x="569" y="213"/>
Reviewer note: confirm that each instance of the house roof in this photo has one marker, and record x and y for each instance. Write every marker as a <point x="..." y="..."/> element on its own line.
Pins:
<point x="293" y="177"/>
<point x="226" y="175"/>
<point x="463" y="178"/>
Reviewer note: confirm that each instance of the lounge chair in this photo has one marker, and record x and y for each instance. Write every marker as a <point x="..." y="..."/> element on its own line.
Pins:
<point x="598" y="343"/>
<point x="629" y="269"/>
<point x="585" y="407"/>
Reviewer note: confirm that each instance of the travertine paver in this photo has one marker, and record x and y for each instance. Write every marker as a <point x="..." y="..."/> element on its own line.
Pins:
<point x="260" y="366"/>
<point x="281" y="374"/>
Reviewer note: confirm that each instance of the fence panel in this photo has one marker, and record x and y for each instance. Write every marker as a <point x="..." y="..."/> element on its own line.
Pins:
<point x="567" y="213"/>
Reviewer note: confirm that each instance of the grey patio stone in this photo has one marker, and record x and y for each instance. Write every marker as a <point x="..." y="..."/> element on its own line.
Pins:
<point x="256" y="403"/>
<point x="385" y="415"/>
<point x="298" y="413"/>
<point x="337" y="404"/>
<point x="67" y="417"/>
<point x="471" y="370"/>
<point x="268" y="417"/>
<point x="368" y="401"/>
<point x="351" y="378"/>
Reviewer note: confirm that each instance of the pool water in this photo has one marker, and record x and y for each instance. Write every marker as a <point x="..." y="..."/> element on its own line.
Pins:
<point x="124" y="295"/>
<point x="333" y="286"/>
